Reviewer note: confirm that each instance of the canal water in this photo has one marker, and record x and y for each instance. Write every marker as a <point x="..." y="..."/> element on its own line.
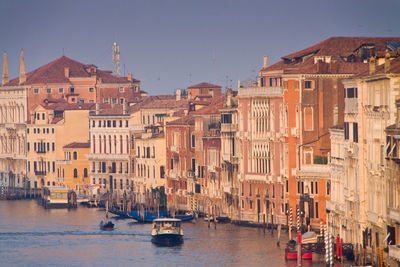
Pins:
<point x="33" y="236"/>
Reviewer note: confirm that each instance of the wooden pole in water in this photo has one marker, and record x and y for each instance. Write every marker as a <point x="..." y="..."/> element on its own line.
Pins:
<point x="215" y="217"/>
<point x="264" y="222"/>
<point x="209" y="215"/>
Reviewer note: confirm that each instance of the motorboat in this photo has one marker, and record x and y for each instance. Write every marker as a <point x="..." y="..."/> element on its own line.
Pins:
<point x="167" y="231"/>
<point x="106" y="226"/>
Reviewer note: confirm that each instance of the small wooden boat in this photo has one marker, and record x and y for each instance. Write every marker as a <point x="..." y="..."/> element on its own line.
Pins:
<point x="167" y="231"/>
<point x="106" y="226"/>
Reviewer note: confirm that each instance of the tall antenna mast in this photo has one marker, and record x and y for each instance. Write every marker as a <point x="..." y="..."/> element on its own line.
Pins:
<point x="116" y="58"/>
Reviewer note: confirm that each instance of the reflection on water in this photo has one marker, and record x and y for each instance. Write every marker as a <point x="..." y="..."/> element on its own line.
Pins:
<point x="31" y="235"/>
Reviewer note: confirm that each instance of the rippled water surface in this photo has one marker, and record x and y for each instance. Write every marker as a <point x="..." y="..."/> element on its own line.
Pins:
<point x="33" y="236"/>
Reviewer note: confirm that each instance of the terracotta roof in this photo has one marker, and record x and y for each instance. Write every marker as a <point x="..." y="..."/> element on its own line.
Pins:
<point x="70" y="106"/>
<point x="339" y="49"/>
<point x="213" y="107"/>
<point x="204" y="85"/>
<point x="55" y="120"/>
<point x="77" y="145"/>
<point x="186" y="120"/>
<point x="166" y="103"/>
<point x="394" y="69"/>
<point x="54" y="72"/>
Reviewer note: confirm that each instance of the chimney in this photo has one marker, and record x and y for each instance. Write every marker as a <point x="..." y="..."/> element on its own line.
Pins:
<point x="130" y="77"/>
<point x="66" y="72"/>
<point x="229" y="98"/>
<point x="387" y="62"/>
<point x="97" y="108"/>
<point x="398" y="113"/>
<point x="372" y="65"/>
<point x="178" y="94"/>
<point x="6" y="78"/>
<point x="124" y="107"/>
<point x="239" y="84"/>
<point x="265" y="61"/>
<point x="22" y="75"/>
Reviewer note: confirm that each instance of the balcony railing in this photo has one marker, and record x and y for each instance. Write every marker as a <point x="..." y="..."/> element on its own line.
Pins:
<point x="41" y="151"/>
<point x="229" y="127"/>
<point x="260" y="91"/>
<point x="394" y="252"/>
<point x="350" y="105"/>
<point x="40" y="173"/>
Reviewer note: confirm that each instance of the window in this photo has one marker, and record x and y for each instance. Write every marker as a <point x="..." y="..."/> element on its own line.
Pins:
<point x="27" y="130"/>
<point x="52" y="130"/>
<point x="250" y="191"/>
<point x="350" y="93"/>
<point x="120" y="124"/>
<point x="48" y="90"/>
<point x="126" y="123"/>
<point x="312" y="187"/>
<point x="346" y="131"/>
<point x="251" y="204"/>
<point x="38" y="130"/>
<point x="34" y="146"/>
<point x="114" y="124"/>
<point x="27" y="146"/>
<point x="121" y="100"/>
<point x="138" y="152"/>
<point x="72" y="90"/>
<point x="316" y="210"/>
<point x="105" y="100"/>
<point x="308" y="119"/>
<point x="29" y="166"/>
<point x="307" y="84"/>
<point x="38" y="116"/>
<point x="47" y="130"/>
<point x="287" y="186"/>
<point x="54" y="166"/>
<point x="34" y="130"/>
<point x="109" y="123"/>
<point x="193" y="140"/>
<point x="242" y="204"/>
<point x="36" y="91"/>
<point x="81" y="101"/>
<point x="114" y="100"/>
<point x="328" y="188"/>
<point x="193" y="165"/>
<point x="316" y="188"/>
<point x="60" y="90"/>
<point x="43" y="116"/>
<point x="75" y="155"/>
<point x="75" y="173"/>
<point x="53" y="146"/>
<point x="162" y="172"/>
<point x="355" y="132"/>
<point x="73" y="99"/>
<point x="85" y="172"/>
<point x="121" y="89"/>
<point x="172" y="164"/>
<point x="91" y="89"/>
<point x="298" y="187"/>
<point x="93" y="124"/>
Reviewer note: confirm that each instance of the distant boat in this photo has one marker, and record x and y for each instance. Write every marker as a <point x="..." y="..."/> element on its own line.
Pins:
<point x="185" y="217"/>
<point x="146" y="216"/>
<point x="167" y="231"/>
<point x="106" y="226"/>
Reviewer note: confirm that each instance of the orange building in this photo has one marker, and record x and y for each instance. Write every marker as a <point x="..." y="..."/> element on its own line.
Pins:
<point x="203" y="90"/>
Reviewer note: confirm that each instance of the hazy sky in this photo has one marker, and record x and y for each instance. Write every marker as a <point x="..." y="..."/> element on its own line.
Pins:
<point x="175" y="44"/>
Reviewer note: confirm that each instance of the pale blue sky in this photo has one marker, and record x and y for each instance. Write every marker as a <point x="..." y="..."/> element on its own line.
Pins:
<point x="175" y="44"/>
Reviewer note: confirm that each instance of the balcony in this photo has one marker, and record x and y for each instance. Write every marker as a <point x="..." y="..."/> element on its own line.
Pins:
<point x="41" y="151"/>
<point x="40" y="173"/>
<point x="256" y="177"/>
<point x="350" y="105"/>
<point x="260" y="91"/>
<point x="137" y="128"/>
<point x="314" y="171"/>
<point x="105" y="157"/>
<point x="174" y="149"/>
<point x="229" y="158"/>
<point x="229" y="127"/>
<point x="191" y="174"/>
<point x="394" y="214"/>
<point x="63" y="162"/>
<point x="394" y="252"/>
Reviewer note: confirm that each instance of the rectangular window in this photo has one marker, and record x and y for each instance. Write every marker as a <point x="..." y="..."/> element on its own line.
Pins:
<point x="121" y="89"/>
<point x="54" y="166"/>
<point x="105" y="100"/>
<point x="298" y="187"/>
<point x="60" y="90"/>
<point x="351" y="93"/>
<point x="114" y="123"/>
<point x="307" y="84"/>
<point x="28" y="147"/>
<point x="316" y="210"/>
<point x="72" y="90"/>
<point x="346" y="131"/>
<point x="312" y="187"/>
<point x="316" y="188"/>
<point x="29" y="166"/>
<point x="287" y="186"/>
<point x="172" y="164"/>
<point x="36" y="91"/>
<point x="121" y="101"/>
<point x="91" y="89"/>
<point x="48" y="90"/>
<point x="355" y="132"/>
<point x="114" y="100"/>
<point x="53" y="146"/>
<point x="250" y="193"/>
<point x="328" y="188"/>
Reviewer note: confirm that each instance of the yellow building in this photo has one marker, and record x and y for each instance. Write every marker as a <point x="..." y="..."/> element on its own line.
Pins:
<point x="75" y="167"/>
<point x="51" y="127"/>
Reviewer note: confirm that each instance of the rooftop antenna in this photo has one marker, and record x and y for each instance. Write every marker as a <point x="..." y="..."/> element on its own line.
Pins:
<point x="116" y="58"/>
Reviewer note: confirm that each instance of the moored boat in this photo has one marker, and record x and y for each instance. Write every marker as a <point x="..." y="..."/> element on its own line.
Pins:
<point x="167" y="231"/>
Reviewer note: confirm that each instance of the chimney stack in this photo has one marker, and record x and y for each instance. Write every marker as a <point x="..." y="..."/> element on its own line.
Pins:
<point x="178" y="94"/>
<point x="97" y="108"/>
<point x="265" y="61"/>
<point x="6" y="78"/>
<point x="387" y="62"/>
<point x="229" y="98"/>
<point x="372" y="65"/>
<point x="124" y="107"/>
<point x="130" y="77"/>
<point x="239" y="84"/>
<point x="66" y="72"/>
<point x="22" y="75"/>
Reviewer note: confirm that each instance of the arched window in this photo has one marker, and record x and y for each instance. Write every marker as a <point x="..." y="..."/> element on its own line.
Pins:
<point x="94" y="144"/>
<point x="85" y="173"/>
<point x="75" y="173"/>
<point x="75" y="155"/>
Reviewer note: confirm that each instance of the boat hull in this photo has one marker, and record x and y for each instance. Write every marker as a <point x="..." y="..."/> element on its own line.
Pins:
<point x="167" y="239"/>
